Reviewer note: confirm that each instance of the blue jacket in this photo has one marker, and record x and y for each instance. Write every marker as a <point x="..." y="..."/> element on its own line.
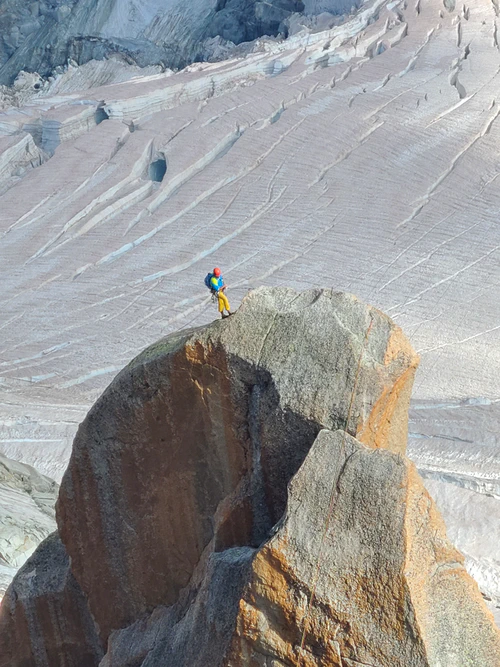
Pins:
<point x="216" y="283"/>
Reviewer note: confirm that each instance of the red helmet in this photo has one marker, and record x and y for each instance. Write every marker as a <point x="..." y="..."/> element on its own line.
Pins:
<point x="216" y="272"/>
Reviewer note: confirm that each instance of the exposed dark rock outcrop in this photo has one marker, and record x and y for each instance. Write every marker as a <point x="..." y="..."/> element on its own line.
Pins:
<point x="242" y="21"/>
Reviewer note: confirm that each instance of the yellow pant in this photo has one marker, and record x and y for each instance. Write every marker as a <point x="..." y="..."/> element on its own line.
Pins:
<point x="223" y="302"/>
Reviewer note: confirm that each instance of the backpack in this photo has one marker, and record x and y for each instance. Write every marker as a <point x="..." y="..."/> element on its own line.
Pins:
<point x="208" y="278"/>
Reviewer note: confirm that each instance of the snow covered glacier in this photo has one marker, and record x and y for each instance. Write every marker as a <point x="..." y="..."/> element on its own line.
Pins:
<point x="363" y="157"/>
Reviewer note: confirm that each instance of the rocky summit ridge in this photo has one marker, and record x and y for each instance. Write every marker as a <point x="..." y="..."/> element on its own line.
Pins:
<point x="240" y="495"/>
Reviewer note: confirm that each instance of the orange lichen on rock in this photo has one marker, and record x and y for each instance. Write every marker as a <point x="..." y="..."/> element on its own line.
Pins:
<point x="217" y="513"/>
<point x="387" y="422"/>
<point x="220" y="417"/>
<point x="375" y="576"/>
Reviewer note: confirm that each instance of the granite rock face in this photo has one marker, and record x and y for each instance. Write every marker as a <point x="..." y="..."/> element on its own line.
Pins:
<point x="389" y="587"/>
<point x="239" y="496"/>
<point x="44" y="619"/>
<point x="193" y="445"/>
<point x="358" y="572"/>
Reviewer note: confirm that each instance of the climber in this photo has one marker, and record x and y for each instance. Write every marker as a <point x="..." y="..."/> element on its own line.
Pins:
<point x="215" y="282"/>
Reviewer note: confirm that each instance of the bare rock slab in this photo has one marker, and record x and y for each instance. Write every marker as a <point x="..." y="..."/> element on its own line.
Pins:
<point x="389" y="588"/>
<point x="239" y="497"/>
<point x="196" y="440"/>
<point x="44" y="618"/>
<point x="358" y="572"/>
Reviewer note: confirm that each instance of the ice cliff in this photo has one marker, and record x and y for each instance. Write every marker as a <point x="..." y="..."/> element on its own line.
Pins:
<point x="27" y="515"/>
<point x="39" y="36"/>
<point x="239" y="495"/>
